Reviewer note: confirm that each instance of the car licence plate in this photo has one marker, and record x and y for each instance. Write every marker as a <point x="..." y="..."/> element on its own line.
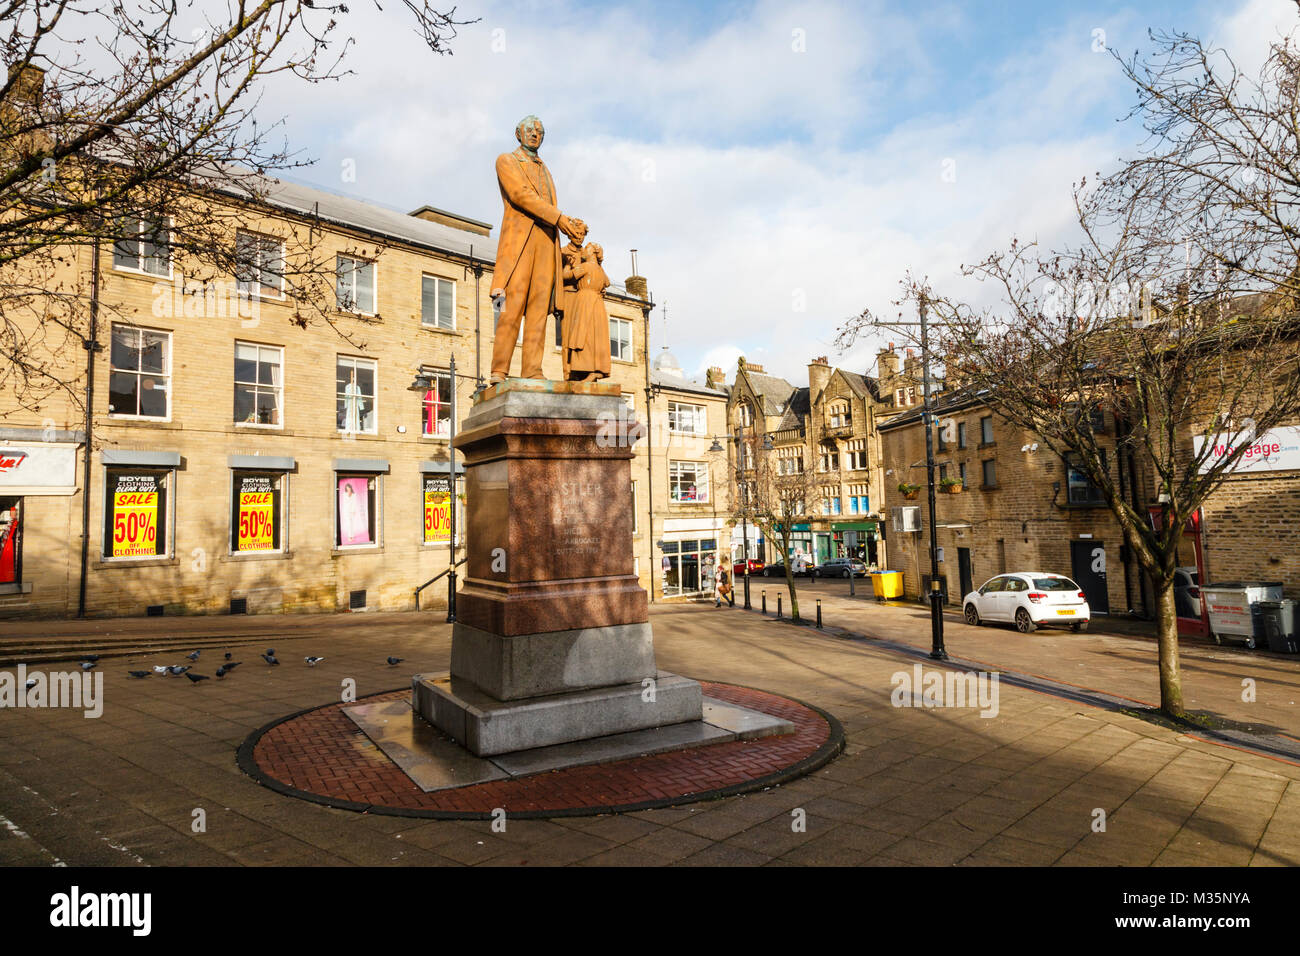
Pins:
<point x="1071" y="611"/>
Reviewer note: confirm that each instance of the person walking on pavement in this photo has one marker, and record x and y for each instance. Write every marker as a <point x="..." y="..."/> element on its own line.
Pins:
<point x="724" y="589"/>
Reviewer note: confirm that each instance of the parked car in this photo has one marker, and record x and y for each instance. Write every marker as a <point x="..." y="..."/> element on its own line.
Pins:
<point x="755" y="566"/>
<point x="842" y="568"/>
<point x="1029" y="599"/>
<point x="802" y="566"/>
<point x="1187" y="592"/>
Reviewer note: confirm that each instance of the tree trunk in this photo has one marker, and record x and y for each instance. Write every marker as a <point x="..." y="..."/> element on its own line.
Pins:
<point x="789" y="583"/>
<point x="1171" y="682"/>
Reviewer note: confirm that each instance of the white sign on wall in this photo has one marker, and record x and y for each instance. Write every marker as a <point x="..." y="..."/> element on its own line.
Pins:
<point x="38" y="468"/>
<point x="1277" y="449"/>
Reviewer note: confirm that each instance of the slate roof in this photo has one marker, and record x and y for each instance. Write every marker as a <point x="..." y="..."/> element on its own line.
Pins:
<point x="774" y="391"/>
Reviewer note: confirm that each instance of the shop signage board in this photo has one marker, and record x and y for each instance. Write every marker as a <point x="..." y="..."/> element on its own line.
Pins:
<point x="1277" y="449"/>
<point x="38" y="468"/>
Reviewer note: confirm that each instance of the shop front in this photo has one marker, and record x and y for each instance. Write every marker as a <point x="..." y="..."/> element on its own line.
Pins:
<point x="689" y="556"/>
<point x="29" y="472"/>
<point x="855" y="539"/>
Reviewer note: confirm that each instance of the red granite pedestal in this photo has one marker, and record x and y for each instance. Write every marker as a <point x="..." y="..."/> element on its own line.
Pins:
<point x="552" y="642"/>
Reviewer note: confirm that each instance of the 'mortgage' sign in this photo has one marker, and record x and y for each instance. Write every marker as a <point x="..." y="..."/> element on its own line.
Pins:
<point x="1275" y="450"/>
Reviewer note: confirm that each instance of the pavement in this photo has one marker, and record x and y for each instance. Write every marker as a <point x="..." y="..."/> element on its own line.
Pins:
<point x="1046" y="780"/>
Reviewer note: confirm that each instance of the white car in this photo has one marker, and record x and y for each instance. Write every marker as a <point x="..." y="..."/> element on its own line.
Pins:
<point x="1029" y="600"/>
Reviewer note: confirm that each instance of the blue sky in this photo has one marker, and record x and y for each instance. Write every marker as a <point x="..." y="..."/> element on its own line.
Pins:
<point x="778" y="166"/>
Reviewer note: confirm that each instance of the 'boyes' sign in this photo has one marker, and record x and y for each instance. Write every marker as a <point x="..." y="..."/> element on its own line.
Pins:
<point x="1275" y="450"/>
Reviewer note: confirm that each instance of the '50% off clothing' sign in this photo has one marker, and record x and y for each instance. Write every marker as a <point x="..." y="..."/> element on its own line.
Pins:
<point x="437" y="510"/>
<point x="136" y="531"/>
<point x="257" y="519"/>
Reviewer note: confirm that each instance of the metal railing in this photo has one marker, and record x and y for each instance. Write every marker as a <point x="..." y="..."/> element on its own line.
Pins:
<point x="433" y="580"/>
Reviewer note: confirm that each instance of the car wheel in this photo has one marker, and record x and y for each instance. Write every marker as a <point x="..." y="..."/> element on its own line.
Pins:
<point x="846" y="573"/>
<point x="972" y="615"/>
<point x="1024" y="623"/>
<point x="1250" y="642"/>
<point x="1081" y="626"/>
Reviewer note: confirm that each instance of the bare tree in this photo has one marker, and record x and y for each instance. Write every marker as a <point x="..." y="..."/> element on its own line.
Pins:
<point x="775" y="501"/>
<point x="1174" y="318"/>
<point x="138" y="121"/>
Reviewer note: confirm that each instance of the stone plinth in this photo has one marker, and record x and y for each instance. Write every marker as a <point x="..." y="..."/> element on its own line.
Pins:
<point x="548" y="480"/>
<point x="552" y="642"/>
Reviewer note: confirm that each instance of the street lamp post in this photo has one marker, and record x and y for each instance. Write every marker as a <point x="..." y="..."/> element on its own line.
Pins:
<point x="424" y="381"/>
<point x="739" y="440"/>
<point x="937" y="650"/>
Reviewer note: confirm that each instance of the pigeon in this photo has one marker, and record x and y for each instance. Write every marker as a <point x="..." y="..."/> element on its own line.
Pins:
<point x="87" y="666"/>
<point x="161" y="668"/>
<point x="313" y="661"/>
<point x="176" y="670"/>
<point x="269" y="658"/>
<point x="396" y="660"/>
<point x="139" y="674"/>
<point x="225" y="669"/>
<point x="229" y="655"/>
<point x="193" y="657"/>
<point x="89" y="657"/>
<point x="195" y="678"/>
<point x="270" y="652"/>
<point x="31" y="682"/>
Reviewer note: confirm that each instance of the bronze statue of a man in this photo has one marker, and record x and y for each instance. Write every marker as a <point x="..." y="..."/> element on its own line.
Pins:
<point x="528" y="269"/>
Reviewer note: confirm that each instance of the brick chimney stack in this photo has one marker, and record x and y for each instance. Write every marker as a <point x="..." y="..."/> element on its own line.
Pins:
<point x="887" y="369"/>
<point x="715" y="378"/>
<point x="819" y="373"/>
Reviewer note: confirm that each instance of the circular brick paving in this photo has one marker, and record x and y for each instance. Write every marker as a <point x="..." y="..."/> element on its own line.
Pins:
<point x="322" y="756"/>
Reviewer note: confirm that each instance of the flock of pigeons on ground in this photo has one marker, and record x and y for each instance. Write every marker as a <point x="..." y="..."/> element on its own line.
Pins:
<point x="90" y="661"/>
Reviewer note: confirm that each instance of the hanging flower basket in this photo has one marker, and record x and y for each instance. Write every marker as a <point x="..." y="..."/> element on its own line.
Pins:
<point x="908" y="491"/>
<point x="951" y="486"/>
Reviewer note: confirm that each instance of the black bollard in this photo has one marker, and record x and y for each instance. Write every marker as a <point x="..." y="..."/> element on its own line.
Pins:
<point x="819" y="612"/>
<point x="764" y="602"/>
<point x="778" y="607"/>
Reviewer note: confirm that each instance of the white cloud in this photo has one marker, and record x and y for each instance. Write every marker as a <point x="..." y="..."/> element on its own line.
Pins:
<point x="746" y="174"/>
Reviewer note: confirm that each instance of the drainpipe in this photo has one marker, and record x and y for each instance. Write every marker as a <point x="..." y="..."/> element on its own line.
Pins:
<point x="91" y="346"/>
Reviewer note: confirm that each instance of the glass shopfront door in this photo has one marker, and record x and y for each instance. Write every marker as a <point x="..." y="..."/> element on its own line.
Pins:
<point x="688" y="566"/>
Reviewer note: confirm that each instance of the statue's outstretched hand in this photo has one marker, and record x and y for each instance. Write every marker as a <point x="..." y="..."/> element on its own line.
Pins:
<point x="574" y="228"/>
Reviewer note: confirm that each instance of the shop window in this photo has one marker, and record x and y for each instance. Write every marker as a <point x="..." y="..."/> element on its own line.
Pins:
<point x="688" y="482"/>
<point x="688" y="566"/>
<point x="437" y="302"/>
<point x="135" y="513"/>
<point x="259" y="384"/>
<point x="140" y="372"/>
<point x="356" y="285"/>
<point x="11" y="540"/>
<point x="435" y="408"/>
<point x="356" y="382"/>
<point x="356" y="511"/>
<point x="256" y="512"/>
